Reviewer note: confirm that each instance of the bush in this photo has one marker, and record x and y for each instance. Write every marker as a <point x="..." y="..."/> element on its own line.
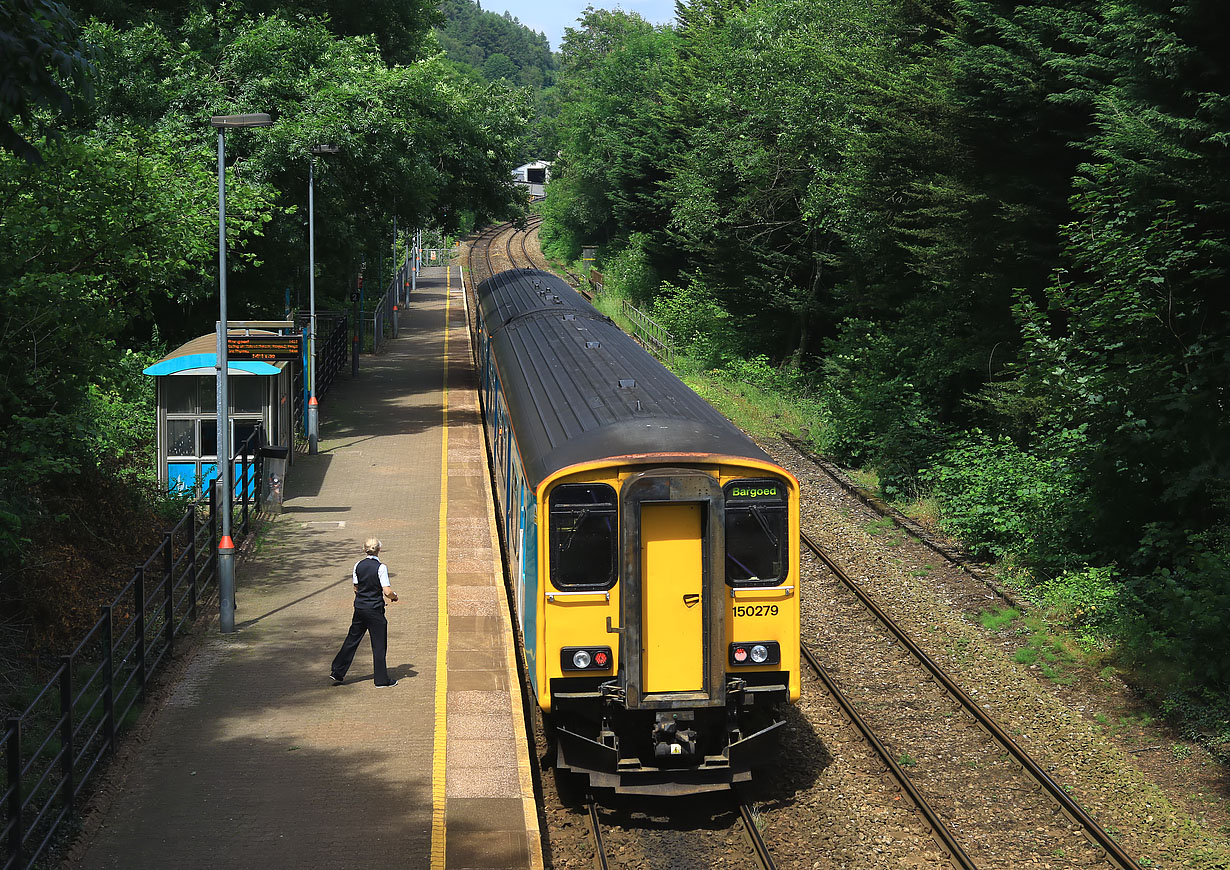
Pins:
<point x="701" y="326"/>
<point x="1179" y="613"/>
<point x="872" y="413"/>
<point x="629" y="273"/>
<point x="1087" y="596"/>
<point x="1002" y="500"/>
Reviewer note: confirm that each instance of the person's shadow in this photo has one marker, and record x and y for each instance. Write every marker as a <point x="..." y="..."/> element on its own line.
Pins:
<point x="398" y="672"/>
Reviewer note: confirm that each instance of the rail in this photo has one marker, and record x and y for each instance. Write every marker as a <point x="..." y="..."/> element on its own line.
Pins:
<point x="751" y="828"/>
<point x="331" y="356"/>
<point x="382" y="320"/>
<point x="1114" y="852"/>
<point x="55" y="746"/>
<point x="944" y="837"/>
<point x="651" y="334"/>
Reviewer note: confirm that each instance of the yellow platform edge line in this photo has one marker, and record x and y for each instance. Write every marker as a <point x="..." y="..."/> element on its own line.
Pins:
<point x="525" y="776"/>
<point x="439" y="769"/>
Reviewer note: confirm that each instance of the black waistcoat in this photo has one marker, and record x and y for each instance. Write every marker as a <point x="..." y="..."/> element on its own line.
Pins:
<point x="368" y="595"/>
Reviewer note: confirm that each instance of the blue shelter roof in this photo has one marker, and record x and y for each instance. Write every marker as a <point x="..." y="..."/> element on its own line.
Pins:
<point x="200" y="357"/>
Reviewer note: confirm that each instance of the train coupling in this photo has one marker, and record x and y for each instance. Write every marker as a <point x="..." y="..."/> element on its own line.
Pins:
<point x="672" y="742"/>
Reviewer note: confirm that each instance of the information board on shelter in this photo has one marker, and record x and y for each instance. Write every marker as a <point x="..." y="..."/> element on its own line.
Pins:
<point x="262" y="347"/>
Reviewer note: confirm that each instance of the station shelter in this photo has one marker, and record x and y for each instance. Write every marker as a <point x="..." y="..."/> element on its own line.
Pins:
<point x="260" y="395"/>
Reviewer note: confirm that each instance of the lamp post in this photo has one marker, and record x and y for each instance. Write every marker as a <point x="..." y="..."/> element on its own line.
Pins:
<point x="226" y="547"/>
<point x="313" y="416"/>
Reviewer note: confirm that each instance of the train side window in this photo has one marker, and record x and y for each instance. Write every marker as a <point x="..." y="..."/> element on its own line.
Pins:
<point x="584" y="536"/>
<point x="756" y="533"/>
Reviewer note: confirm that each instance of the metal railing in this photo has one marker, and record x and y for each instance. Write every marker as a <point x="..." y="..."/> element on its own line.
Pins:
<point x="439" y="256"/>
<point x="382" y="320"/>
<point x="55" y="746"/>
<point x="651" y="334"/>
<point x="332" y="352"/>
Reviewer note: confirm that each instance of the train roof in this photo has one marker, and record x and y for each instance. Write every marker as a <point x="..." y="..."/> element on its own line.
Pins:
<point x="581" y="390"/>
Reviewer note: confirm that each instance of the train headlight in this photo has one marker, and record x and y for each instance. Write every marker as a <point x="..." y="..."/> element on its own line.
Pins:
<point x="585" y="658"/>
<point x="762" y="652"/>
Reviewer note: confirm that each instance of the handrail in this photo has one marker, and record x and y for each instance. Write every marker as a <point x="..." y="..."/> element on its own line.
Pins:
<point x="651" y="334"/>
<point x="41" y="779"/>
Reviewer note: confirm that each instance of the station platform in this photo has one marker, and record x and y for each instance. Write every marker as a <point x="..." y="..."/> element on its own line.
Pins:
<point x="256" y="759"/>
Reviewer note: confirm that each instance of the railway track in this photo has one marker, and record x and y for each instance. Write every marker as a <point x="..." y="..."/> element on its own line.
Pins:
<point x="971" y="785"/>
<point x="724" y="836"/>
<point x="506" y="246"/>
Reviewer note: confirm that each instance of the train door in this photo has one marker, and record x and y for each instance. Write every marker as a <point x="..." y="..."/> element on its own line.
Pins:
<point x="672" y="609"/>
<point x="672" y="586"/>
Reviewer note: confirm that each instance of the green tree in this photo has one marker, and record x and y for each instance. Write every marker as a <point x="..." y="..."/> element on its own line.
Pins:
<point x="1134" y="342"/>
<point x="605" y="183"/>
<point x="43" y="63"/>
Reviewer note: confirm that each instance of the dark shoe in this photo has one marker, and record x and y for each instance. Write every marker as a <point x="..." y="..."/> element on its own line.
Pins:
<point x="337" y="681"/>
<point x="386" y="685"/>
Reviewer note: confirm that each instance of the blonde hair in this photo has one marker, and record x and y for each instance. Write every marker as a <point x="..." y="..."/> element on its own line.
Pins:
<point x="371" y="546"/>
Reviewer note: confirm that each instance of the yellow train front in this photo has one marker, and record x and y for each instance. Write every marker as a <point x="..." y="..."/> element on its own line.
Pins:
<point x="652" y="548"/>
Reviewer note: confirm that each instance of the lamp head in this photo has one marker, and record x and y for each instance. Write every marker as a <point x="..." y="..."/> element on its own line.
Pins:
<point x="230" y="122"/>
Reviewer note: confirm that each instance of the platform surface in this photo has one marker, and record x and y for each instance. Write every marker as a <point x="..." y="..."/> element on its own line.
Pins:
<point x="257" y="760"/>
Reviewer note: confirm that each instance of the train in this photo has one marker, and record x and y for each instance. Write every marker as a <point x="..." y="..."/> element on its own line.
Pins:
<point x="652" y="549"/>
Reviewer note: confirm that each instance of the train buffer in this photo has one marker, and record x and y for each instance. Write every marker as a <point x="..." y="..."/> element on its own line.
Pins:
<point x="250" y="757"/>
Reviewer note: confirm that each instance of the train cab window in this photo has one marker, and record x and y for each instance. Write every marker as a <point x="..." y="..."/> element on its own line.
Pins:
<point x="583" y="536"/>
<point x="756" y="533"/>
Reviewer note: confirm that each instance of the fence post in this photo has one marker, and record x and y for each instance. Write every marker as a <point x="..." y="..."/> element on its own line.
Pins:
<point x="213" y="529"/>
<point x="192" y="566"/>
<point x="245" y="475"/>
<point x="355" y="347"/>
<point x="258" y="469"/>
<point x="168" y="543"/>
<point x="68" y="752"/>
<point x="138" y="594"/>
<point x="16" y="834"/>
<point x="109" y="685"/>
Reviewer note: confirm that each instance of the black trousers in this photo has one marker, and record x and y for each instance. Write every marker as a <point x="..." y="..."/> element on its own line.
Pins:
<point x="372" y="621"/>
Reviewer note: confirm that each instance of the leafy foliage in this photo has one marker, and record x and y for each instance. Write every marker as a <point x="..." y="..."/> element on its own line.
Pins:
<point x="474" y="36"/>
<point x="107" y="248"/>
<point x="43" y="62"/>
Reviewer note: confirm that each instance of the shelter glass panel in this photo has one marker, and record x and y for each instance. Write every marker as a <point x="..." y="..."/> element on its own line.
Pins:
<point x="247" y="395"/>
<point x="209" y="436"/>
<point x="207" y="393"/>
<point x="181" y="438"/>
<point x="180" y="395"/>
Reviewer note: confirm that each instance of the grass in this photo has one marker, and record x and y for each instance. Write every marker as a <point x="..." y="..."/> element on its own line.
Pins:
<point x="1051" y="652"/>
<point x="994" y="620"/>
<point x="924" y="510"/>
<point x="864" y="478"/>
<point x="875" y="527"/>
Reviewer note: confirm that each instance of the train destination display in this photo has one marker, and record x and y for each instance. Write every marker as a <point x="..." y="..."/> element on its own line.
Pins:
<point x="263" y="347"/>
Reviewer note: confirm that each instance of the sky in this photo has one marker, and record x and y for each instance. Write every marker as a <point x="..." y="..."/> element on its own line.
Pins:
<point x="552" y="16"/>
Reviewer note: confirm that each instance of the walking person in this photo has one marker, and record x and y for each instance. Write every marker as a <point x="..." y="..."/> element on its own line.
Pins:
<point x="371" y="587"/>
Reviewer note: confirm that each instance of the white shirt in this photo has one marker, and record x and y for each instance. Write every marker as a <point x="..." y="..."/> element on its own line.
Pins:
<point x="382" y="571"/>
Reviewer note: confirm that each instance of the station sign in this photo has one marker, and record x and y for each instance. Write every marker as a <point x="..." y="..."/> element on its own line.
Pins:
<point x="263" y="347"/>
